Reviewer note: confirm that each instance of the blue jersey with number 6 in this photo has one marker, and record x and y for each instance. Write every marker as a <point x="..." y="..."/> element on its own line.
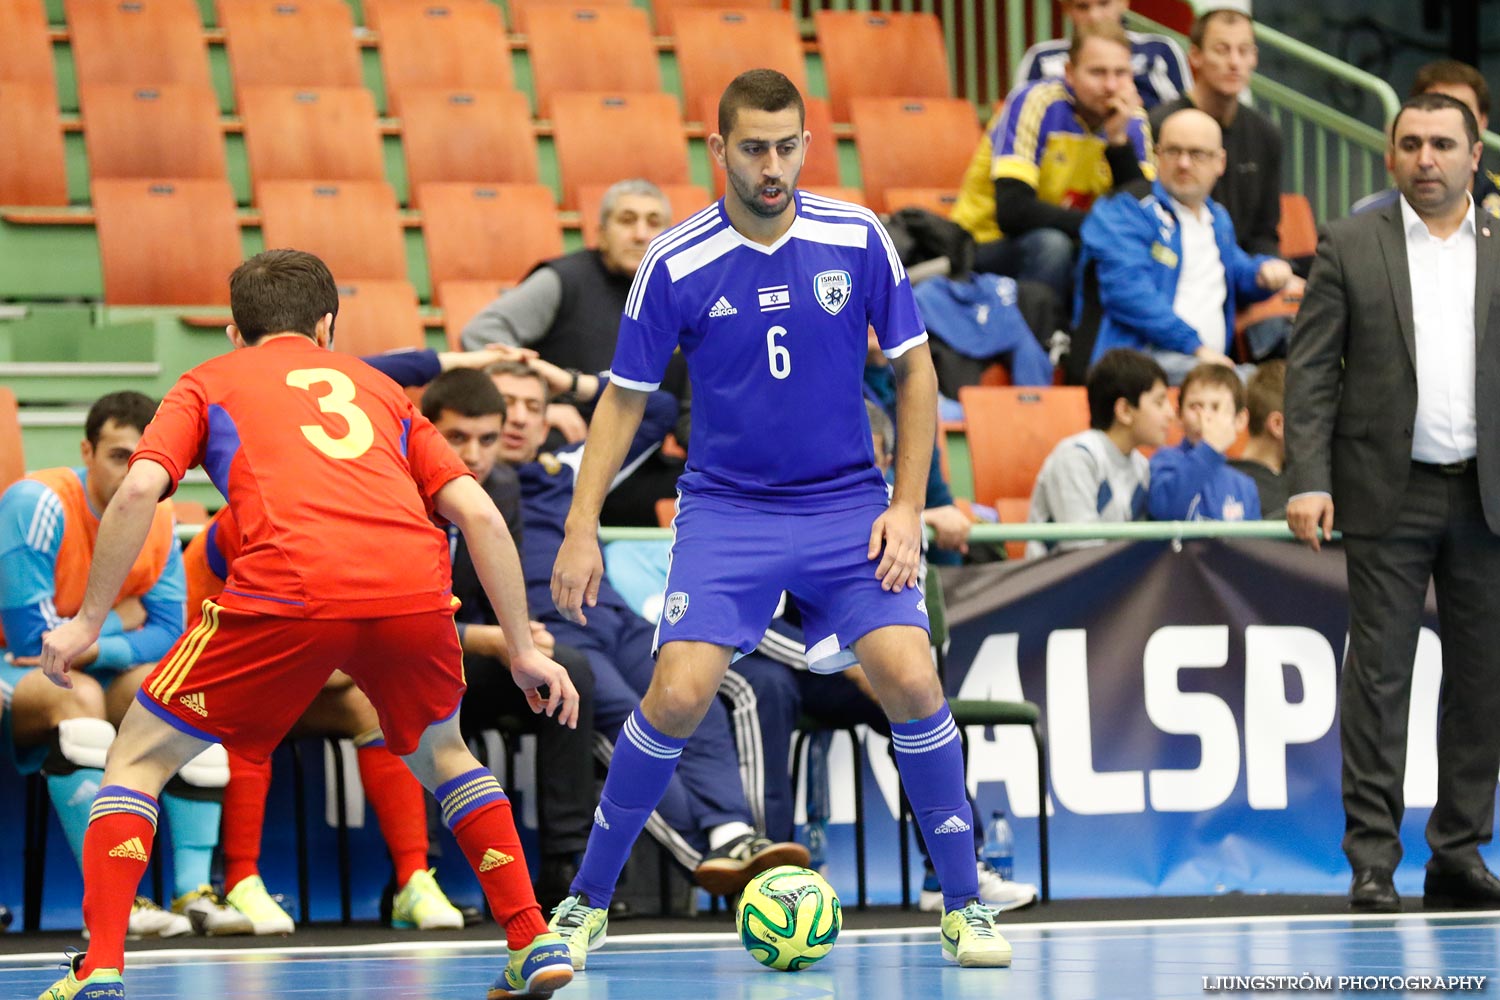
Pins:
<point x="775" y="342"/>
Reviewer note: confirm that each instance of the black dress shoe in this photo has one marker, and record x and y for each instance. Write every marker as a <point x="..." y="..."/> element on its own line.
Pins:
<point x="1470" y="889"/>
<point x="1373" y="891"/>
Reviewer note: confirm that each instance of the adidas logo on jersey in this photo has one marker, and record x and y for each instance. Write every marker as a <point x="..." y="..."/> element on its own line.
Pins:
<point x="722" y="308"/>
<point x="953" y="825"/>
<point x="494" y="859"/>
<point x="132" y="849"/>
<point x="599" y="819"/>
<point x="195" y="702"/>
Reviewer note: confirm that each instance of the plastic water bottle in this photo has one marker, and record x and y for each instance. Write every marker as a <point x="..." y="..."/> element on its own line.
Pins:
<point x="817" y="800"/>
<point x="999" y="846"/>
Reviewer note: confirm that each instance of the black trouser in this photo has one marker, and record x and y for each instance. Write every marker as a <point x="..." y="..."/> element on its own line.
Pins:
<point x="1440" y="535"/>
<point x="565" y="757"/>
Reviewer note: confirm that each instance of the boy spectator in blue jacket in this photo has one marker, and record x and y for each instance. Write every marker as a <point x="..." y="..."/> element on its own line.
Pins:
<point x="1193" y="482"/>
<point x="1160" y="269"/>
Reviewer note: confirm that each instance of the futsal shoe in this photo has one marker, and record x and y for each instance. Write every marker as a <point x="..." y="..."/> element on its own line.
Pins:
<point x="266" y="916"/>
<point x="421" y="904"/>
<point x="999" y="894"/>
<point x="149" y="920"/>
<point x="729" y="869"/>
<point x="582" y="927"/>
<point x="97" y="985"/>
<point x="538" y="970"/>
<point x="210" y="914"/>
<point x="971" y="940"/>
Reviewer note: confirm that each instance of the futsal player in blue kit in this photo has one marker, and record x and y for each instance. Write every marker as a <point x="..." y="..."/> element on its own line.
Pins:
<point x="769" y="293"/>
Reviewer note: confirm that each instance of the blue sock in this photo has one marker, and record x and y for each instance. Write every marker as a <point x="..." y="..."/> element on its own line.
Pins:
<point x="643" y="763"/>
<point x="931" y="761"/>
<point x="73" y="797"/>
<point x="193" y="826"/>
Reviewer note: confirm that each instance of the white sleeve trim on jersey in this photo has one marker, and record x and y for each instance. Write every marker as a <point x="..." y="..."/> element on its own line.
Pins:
<point x="829" y="206"/>
<point x="45" y="520"/>
<point x="628" y="383"/>
<point x="692" y="227"/>
<point x="905" y="346"/>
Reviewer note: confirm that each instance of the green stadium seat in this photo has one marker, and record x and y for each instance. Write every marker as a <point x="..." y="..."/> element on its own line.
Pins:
<point x="912" y="142"/>
<point x="589" y="50"/>
<point x="354" y="226"/>
<point x="880" y="55"/>
<point x="161" y="130"/>
<point x="166" y="242"/>
<point x="138" y="41"/>
<point x="294" y="133"/>
<point x="477" y="136"/>
<point x="290" y="43"/>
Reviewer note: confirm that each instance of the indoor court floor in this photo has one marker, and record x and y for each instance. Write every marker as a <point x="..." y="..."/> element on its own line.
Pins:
<point x="1121" y="960"/>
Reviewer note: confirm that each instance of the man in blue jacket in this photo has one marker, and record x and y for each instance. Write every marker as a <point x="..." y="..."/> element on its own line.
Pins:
<point x="1160" y="270"/>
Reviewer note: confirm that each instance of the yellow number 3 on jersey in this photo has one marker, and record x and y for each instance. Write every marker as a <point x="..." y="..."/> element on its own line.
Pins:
<point x="339" y="400"/>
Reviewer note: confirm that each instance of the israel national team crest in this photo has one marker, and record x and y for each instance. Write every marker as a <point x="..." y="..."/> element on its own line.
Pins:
<point x="832" y="289"/>
<point x="676" y="607"/>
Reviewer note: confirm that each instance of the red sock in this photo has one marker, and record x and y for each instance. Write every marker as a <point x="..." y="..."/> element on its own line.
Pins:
<point x="116" y="849"/>
<point x="489" y="841"/>
<point x="244" y="818"/>
<point x="400" y="805"/>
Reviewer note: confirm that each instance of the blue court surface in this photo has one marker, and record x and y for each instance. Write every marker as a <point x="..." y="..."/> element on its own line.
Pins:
<point x="1405" y="955"/>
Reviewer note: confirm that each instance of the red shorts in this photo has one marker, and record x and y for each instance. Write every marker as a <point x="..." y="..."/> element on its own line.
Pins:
<point x="244" y="679"/>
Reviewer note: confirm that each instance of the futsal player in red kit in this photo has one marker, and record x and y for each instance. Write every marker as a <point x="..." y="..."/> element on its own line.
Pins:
<point x="334" y="478"/>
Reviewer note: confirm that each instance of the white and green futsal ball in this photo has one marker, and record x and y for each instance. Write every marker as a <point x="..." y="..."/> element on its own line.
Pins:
<point x="788" y="918"/>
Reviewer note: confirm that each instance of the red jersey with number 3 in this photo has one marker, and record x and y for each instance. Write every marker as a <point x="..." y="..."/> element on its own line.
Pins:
<point x="330" y="473"/>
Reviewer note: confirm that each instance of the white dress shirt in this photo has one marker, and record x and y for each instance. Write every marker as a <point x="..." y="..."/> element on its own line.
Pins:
<point x="1442" y="305"/>
<point x="1201" y="286"/>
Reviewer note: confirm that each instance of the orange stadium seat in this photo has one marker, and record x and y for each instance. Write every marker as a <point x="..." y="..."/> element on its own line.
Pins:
<point x="12" y="455"/>
<point x="667" y="14"/>
<point x="855" y="195"/>
<point x="714" y="46"/>
<point x="1014" y="510"/>
<point x="138" y="41"/>
<point x="290" y="43"/>
<point x="25" y="46"/>
<point x="29" y="121"/>
<point x="447" y="45"/>
<point x="820" y="168"/>
<point x="478" y="136"/>
<point x="589" y="50"/>
<point x="461" y="301"/>
<point x="939" y="201"/>
<point x="881" y="55"/>
<point x="910" y="142"/>
<point x="600" y="138"/>
<point x="166" y="242"/>
<point x="685" y="199"/>
<point x="311" y="134"/>
<point x="495" y="232"/>
<point x="353" y="225"/>
<point x="1012" y="430"/>
<point x="1298" y="231"/>
<point x="377" y="316"/>
<point x="160" y="130"/>
<point x="520" y="9"/>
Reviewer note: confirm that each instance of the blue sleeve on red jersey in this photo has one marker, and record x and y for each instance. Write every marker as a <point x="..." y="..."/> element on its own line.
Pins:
<point x="409" y="368"/>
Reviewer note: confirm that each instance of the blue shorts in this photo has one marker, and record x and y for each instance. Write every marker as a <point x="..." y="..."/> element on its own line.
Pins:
<point x="730" y="565"/>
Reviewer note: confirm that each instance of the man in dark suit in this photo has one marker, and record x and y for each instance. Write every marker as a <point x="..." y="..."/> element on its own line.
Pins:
<point x="1392" y="412"/>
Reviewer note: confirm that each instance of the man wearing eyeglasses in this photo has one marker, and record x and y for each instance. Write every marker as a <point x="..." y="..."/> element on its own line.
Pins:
<point x="1160" y="270"/>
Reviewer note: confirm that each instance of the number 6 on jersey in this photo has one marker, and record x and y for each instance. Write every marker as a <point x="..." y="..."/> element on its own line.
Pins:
<point x="780" y="357"/>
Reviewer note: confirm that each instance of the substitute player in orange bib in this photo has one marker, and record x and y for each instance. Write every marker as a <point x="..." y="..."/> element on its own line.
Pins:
<point x="334" y="478"/>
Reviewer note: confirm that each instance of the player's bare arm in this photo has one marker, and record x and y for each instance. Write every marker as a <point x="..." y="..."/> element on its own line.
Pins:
<point x="896" y="535"/>
<point x="579" y="568"/>
<point x="122" y="532"/>
<point x="465" y="503"/>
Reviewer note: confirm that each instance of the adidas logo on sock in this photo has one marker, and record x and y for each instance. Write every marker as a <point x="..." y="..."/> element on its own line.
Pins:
<point x="132" y="849"/>
<point x="195" y="702"/>
<point x="722" y="308"/>
<point x="953" y="825"/>
<point x="494" y="859"/>
<point x="599" y="819"/>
